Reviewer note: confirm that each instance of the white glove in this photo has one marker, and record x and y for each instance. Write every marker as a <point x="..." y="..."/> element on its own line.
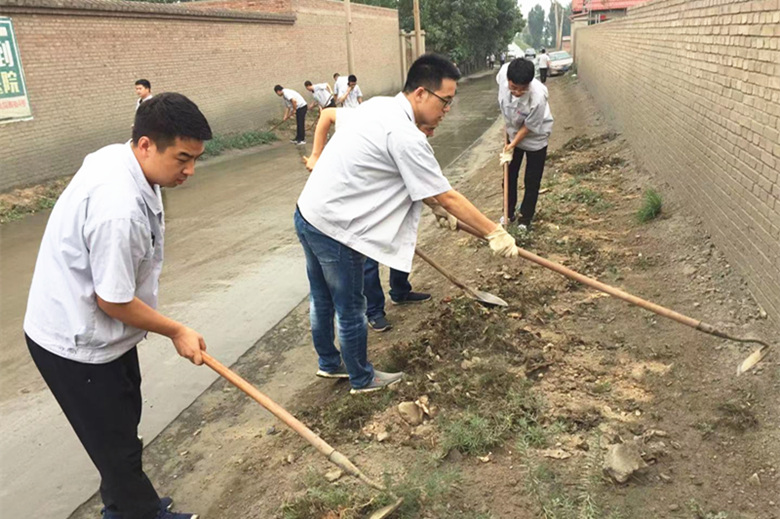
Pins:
<point x="502" y="243"/>
<point x="505" y="157"/>
<point x="444" y="219"/>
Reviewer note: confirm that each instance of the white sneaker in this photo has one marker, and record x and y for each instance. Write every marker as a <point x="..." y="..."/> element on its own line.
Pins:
<point x="300" y="143"/>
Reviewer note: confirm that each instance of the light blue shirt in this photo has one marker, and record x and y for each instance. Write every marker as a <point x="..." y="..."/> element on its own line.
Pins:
<point x="367" y="188"/>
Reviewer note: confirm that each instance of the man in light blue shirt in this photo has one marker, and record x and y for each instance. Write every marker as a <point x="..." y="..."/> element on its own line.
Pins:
<point x="363" y="199"/>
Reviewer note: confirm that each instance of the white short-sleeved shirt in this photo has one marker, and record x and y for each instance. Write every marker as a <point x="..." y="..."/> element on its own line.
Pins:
<point x="530" y="109"/>
<point x="351" y="100"/>
<point x="544" y="61"/>
<point x="104" y="238"/>
<point x="288" y="94"/>
<point x="321" y="94"/>
<point x="139" y="101"/>
<point x="340" y="85"/>
<point x="367" y="188"/>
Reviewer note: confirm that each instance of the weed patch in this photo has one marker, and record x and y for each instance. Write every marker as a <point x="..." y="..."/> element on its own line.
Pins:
<point x="21" y="202"/>
<point x="238" y="141"/>
<point x="652" y="202"/>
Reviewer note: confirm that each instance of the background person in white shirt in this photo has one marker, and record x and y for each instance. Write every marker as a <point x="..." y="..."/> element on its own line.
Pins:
<point x="322" y="94"/>
<point x="528" y="125"/>
<point x="363" y="199"/>
<point x="544" y="65"/>
<point x="143" y="89"/>
<point x="352" y="97"/>
<point x="294" y="103"/>
<point x="339" y="85"/>
<point x="94" y="293"/>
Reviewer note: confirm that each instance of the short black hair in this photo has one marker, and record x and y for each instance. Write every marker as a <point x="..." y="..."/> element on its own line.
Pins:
<point x="521" y="71"/>
<point x="335" y="75"/>
<point x="307" y="83"/>
<point x="278" y="88"/>
<point x="543" y="51"/>
<point x="428" y="71"/>
<point x="144" y="83"/>
<point x="352" y="78"/>
<point x="167" y="116"/>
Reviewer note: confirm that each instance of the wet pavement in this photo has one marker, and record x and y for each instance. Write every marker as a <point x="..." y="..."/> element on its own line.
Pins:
<point x="233" y="269"/>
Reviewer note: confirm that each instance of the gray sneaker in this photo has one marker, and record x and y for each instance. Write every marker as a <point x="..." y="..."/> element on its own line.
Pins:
<point x="381" y="380"/>
<point x="339" y="373"/>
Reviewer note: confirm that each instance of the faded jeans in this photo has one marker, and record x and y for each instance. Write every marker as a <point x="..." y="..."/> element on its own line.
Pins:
<point x="372" y="288"/>
<point x="336" y="289"/>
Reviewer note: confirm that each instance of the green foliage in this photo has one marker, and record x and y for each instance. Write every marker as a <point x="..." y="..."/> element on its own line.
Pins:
<point x="237" y="141"/>
<point x="651" y="206"/>
<point x="466" y="31"/>
<point x="536" y="26"/>
<point x="475" y="434"/>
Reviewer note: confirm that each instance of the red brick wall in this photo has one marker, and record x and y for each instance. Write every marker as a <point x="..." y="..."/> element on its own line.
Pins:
<point x="695" y="87"/>
<point x="81" y="60"/>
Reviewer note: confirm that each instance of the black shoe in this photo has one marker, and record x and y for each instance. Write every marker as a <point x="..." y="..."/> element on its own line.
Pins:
<point x="166" y="503"/>
<point x="379" y="324"/>
<point x="411" y="298"/>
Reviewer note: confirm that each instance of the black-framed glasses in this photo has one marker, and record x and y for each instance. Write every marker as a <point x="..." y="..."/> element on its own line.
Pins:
<point x="447" y="102"/>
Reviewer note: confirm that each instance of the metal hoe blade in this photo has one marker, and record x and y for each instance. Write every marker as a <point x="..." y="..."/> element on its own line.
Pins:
<point x="488" y="298"/>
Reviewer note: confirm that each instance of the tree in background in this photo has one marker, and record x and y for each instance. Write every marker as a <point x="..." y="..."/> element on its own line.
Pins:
<point x="550" y="24"/>
<point x="536" y="23"/>
<point x="464" y="30"/>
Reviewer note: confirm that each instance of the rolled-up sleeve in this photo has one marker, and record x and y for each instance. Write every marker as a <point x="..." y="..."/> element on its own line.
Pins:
<point x="535" y="119"/>
<point x="116" y="249"/>
<point x="417" y="164"/>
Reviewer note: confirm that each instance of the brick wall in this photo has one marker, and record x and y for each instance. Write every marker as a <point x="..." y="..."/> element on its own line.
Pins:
<point x="82" y="57"/>
<point x="695" y="87"/>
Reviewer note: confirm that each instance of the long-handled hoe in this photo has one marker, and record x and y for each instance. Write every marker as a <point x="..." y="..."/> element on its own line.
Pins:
<point x="753" y="359"/>
<point x="296" y="425"/>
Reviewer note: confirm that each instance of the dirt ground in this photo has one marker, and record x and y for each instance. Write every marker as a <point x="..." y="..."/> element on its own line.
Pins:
<point x="522" y="404"/>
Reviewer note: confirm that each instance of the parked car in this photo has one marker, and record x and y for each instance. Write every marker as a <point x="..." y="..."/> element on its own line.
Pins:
<point x="560" y="62"/>
<point x="530" y="53"/>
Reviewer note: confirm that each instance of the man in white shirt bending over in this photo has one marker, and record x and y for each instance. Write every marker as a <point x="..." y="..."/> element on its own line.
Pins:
<point x="93" y="295"/>
<point x="339" y="85"/>
<point x="294" y="103"/>
<point x="352" y="96"/>
<point x="363" y="199"/>
<point x="322" y="94"/>
<point x="528" y="123"/>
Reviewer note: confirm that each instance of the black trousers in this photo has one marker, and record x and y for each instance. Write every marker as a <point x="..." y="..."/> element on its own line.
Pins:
<point x="532" y="181"/>
<point x="300" y="119"/>
<point x="331" y="103"/>
<point x="543" y="74"/>
<point x="102" y="402"/>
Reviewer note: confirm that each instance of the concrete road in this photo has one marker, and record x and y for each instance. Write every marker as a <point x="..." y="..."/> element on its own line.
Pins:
<point x="233" y="269"/>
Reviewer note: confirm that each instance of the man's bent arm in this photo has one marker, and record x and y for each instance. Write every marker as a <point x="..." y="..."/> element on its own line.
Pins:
<point x="138" y="314"/>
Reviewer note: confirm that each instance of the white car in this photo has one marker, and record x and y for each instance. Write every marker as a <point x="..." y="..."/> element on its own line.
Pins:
<point x="560" y="62"/>
<point x="530" y="53"/>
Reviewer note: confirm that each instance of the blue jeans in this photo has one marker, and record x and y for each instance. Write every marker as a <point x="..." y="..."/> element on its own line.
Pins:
<point x="372" y="288"/>
<point x="336" y="288"/>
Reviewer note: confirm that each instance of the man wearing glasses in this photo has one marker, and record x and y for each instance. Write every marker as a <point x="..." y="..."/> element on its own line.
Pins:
<point x="363" y="199"/>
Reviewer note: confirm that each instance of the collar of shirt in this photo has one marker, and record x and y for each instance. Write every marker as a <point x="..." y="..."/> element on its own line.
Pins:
<point x="151" y="194"/>
<point x="406" y="105"/>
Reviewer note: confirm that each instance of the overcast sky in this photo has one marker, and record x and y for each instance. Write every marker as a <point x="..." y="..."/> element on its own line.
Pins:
<point x="527" y="5"/>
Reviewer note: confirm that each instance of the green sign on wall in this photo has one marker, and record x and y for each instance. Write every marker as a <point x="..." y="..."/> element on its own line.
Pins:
<point x="14" y="105"/>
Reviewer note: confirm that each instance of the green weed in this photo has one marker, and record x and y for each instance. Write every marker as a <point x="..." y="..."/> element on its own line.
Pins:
<point x="652" y="202"/>
<point x="220" y="143"/>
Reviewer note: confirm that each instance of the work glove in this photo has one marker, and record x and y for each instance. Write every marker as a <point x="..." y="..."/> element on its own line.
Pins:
<point x="502" y="243"/>
<point x="444" y="219"/>
<point x="505" y="157"/>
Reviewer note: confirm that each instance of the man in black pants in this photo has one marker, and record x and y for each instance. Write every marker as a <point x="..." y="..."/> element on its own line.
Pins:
<point x="294" y="103"/>
<point x="523" y="102"/>
<point x="94" y="293"/>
